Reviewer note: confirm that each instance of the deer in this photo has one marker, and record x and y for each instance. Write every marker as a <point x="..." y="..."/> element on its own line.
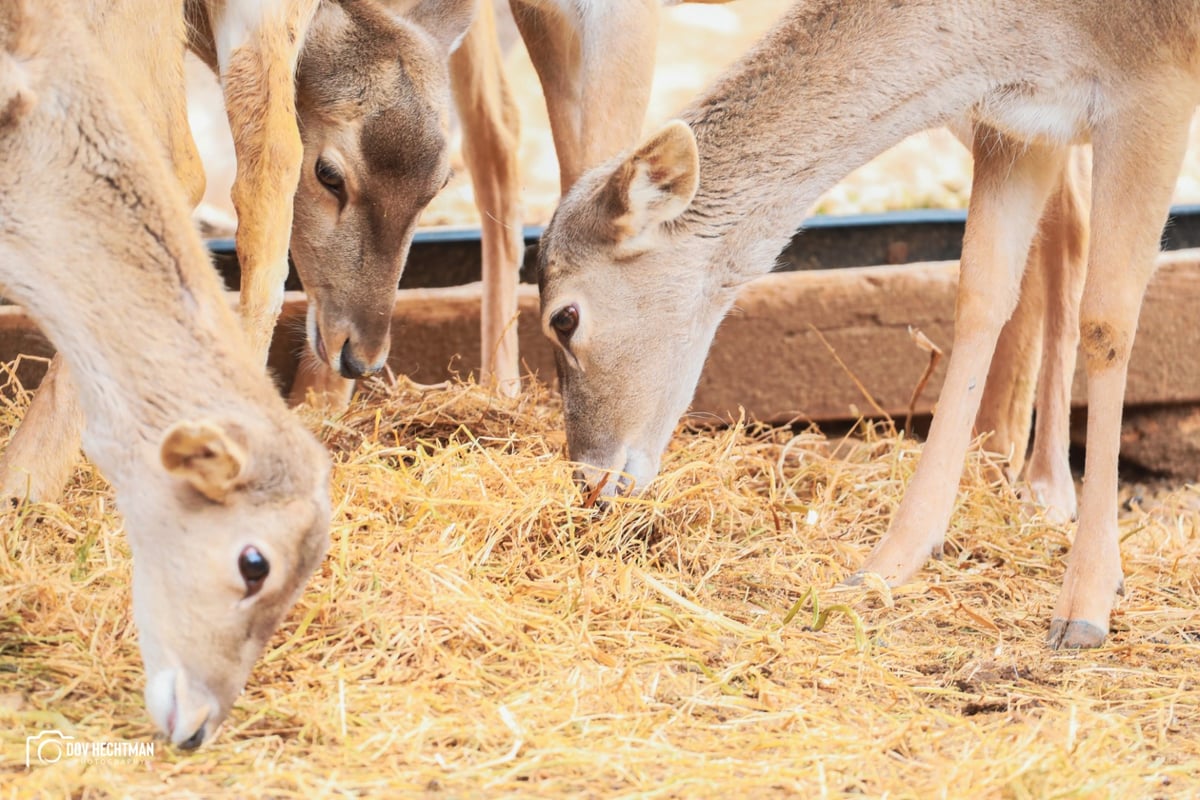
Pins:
<point x="596" y="63"/>
<point x="225" y="494"/>
<point x="645" y="254"/>
<point x="338" y="162"/>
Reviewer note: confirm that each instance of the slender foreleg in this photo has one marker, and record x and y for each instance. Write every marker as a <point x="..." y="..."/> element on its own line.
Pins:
<point x="1012" y="182"/>
<point x="491" y="141"/>
<point x="1137" y="160"/>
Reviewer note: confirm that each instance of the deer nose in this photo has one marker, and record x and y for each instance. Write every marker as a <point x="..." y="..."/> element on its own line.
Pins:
<point x="351" y="366"/>
<point x="601" y="482"/>
<point x="183" y="709"/>
<point x="195" y="740"/>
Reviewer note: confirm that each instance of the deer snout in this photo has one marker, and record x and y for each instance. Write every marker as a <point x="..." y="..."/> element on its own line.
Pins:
<point x="185" y="711"/>
<point x="604" y="478"/>
<point x="599" y="470"/>
<point x="348" y="351"/>
<point x="352" y="366"/>
<point x="601" y="482"/>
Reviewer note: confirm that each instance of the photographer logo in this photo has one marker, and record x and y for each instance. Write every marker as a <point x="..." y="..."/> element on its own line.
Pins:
<point x="50" y="747"/>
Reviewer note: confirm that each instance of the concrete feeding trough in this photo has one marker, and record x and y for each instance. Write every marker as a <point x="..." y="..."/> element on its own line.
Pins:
<point x="857" y="282"/>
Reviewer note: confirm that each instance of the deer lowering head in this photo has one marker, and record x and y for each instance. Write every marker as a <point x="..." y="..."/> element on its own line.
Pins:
<point x="240" y="521"/>
<point x="645" y="254"/>
<point x="372" y="100"/>
<point x="224" y="492"/>
<point x="627" y="312"/>
<point x="637" y="267"/>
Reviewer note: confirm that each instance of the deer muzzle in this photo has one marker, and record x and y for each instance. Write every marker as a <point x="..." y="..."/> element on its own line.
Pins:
<point x="183" y="709"/>
<point x="347" y="349"/>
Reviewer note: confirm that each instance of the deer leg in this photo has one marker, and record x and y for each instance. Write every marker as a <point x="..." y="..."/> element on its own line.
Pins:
<point x="1043" y="333"/>
<point x="1136" y="164"/>
<point x="595" y="75"/>
<point x="1048" y="480"/>
<point x="491" y="140"/>
<point x="1006" y="408"/>
<point x="616" y="73"/>
<point x="1012" y="181"/>
<point x="554" y="48"/>
<point x="44" y="448"/>
<point x="322" y="387"/>
<point x="257" y="68"/>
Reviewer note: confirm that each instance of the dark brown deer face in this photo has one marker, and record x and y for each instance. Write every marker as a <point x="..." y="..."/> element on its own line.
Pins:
<point x="372" y="99"/>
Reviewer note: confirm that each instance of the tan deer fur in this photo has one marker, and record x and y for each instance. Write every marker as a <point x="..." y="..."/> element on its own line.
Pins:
<point x="204" y="458"/>
<point x="371" y="101"/>
<point x="254" y="47"/>
<point x="646" y="253"/>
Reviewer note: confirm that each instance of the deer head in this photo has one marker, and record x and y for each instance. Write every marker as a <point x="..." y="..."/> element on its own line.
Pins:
<point x="630" y="308"/>
<point x="222" y="547"/>
<point x="372" y="100"/>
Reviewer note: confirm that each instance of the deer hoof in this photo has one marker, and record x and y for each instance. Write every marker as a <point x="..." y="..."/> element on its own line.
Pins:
<point x="1075" y="634"/>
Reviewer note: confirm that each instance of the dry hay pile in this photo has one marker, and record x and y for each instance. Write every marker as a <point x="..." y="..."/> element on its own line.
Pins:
<point x="476" y="631"/>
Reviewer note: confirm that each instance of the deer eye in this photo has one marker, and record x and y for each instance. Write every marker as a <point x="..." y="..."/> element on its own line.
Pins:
<point x="254" y="568"/>
<point x="564" y="322"/>
<point x="329" y="177"/>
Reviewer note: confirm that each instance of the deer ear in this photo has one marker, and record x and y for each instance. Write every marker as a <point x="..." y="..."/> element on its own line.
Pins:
<point x="17" y="40"/>
<point x="206" y="455"/>
<point x="654" y="184"/>
<point x="446" y="21"/>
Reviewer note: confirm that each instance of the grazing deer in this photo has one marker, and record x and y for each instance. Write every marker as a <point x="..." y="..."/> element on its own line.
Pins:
<point x="645" y="254"/>
<point x="366" y="155"/>
<point x="224" y="493"/>
<point x="596" y="64"/>
<point x="372" y="92"/>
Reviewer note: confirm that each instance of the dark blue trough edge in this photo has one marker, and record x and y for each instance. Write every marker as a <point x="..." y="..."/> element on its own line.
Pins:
<point x="450" y="256"/>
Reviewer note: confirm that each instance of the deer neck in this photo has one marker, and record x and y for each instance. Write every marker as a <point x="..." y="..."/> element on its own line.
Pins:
<point x="157" y="350"/>
<point x="832" y="86"/>
<point x="128" y="295"/>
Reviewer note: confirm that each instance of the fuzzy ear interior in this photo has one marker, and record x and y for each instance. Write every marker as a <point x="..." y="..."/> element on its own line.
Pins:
<point x="17" y="43"/>
<point x="206" y="455"/>
<point x="446" y="21"/>
<point x="654" y="184"/>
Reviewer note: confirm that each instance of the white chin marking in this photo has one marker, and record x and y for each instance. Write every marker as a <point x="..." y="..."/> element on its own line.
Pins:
<point x="160" y="699"/>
